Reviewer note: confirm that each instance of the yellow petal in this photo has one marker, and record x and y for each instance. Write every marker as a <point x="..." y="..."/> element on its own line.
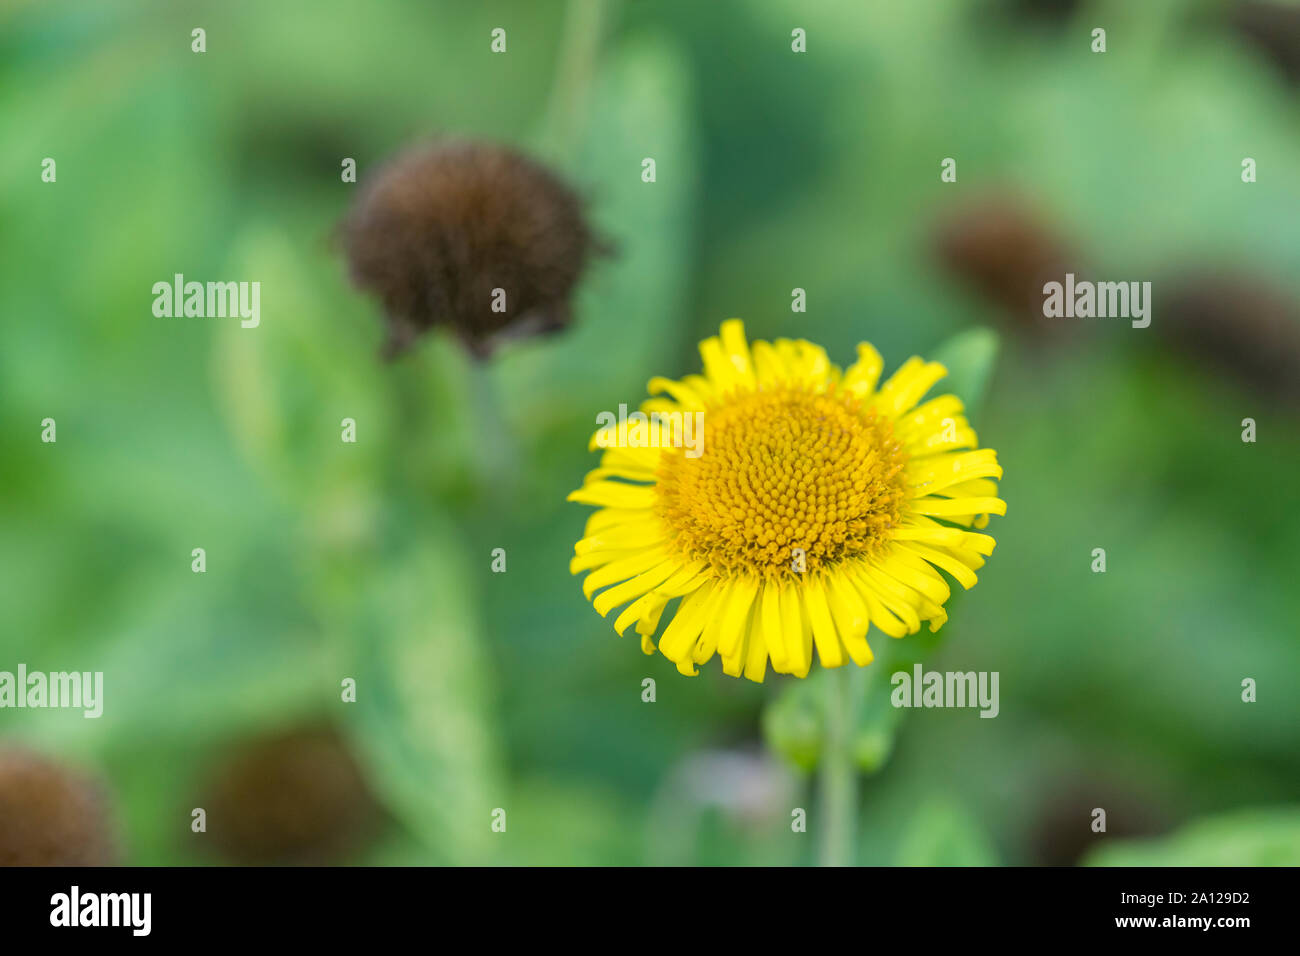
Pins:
<point x="861" y="377"/>
<point x="907" y="386"/>
<point x="945" y="507"/>
<point x="641" y="534"/>
<point x="622" y="569"/>
<point x="851" y="617"/>
<point x="684" y="629"/>
<point x="829" y="649"/>
<point x="606" y="601"/>
<point x="756" y="651"/>
<point x="686" y="396"/>
<point x="958" y="569"/>
<point x="615" y="495"/>
<point x="735" y="614"/>
<point x="770" y="616"/>
<point x="638" y="611"/>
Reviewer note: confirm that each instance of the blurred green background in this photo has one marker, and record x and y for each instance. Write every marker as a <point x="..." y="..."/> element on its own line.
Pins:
<point x="775" y="170"/>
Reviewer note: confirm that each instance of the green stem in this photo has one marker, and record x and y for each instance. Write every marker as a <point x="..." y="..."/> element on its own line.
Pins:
<point x="493" y="437"/>
<point x="839" y="779"/>
<point x="566" y="108"/>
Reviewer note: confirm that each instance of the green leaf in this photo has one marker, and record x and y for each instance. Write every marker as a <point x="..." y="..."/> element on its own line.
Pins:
<point x="969" y="358"/>
<point x="941" y="833"/>
<point x="1255" y="837"/>
<point x="632" y="314"/>
<point x="200" y="656"/>
<point x="421" y="719"/>
<point x="794" y="722"/>
<point x="876" y="722"/>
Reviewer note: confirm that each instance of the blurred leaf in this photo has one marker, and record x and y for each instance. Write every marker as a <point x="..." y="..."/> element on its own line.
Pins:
<point x="631" y="309"/>
<point x="1255" y="837"/>
<point x="794" y="721"/>
<point x="969" y="358"/>
<point x="569" y="823"/>
<point x="876" y="721"/>
<point x="941" y="833"/>
<point x="198" y="657"/>
<point x="421" y="716"/>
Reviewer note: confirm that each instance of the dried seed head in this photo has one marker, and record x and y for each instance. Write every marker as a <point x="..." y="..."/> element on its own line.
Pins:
<point x="1274" y="30"/>
<point x="297" y="798"/>
<point x="474" y="237"/>
<point x="1242" y="325"/>
<point x="49" y="815"/>
<point x="1002" y="251"/>
<point x="1059" y="824"/>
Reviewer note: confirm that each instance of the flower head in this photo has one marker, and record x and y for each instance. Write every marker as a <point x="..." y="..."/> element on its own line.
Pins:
<point x="819" y="504"/>
<point x="1003" y="250"/>
<point x="49" y="815"/>
<point x="296" y="797"/>
<point x="478" y="238"/>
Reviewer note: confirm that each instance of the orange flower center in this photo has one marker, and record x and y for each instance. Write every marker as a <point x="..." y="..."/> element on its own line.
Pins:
<point x="789" y="480"/>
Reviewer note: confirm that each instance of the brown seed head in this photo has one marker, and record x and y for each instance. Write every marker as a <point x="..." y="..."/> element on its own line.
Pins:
<point x="1004" y="253"/>
<point x="1243" y="325"/>
<point x="441" y="228"/>
<point x="1274" y="30"/>
<point x="49" y="815"/>
<point x="1059" y="828"/>
<point x="296" y="798"/>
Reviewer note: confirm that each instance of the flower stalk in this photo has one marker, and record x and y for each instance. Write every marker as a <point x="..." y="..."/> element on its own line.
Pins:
<point x="838" y="782"/>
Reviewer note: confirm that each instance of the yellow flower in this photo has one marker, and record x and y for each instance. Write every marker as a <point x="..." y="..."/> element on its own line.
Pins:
<point x="816" y="506"/>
